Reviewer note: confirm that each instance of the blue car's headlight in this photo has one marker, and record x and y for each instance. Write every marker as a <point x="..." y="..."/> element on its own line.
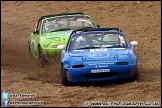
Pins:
<point x="123" y="56"/>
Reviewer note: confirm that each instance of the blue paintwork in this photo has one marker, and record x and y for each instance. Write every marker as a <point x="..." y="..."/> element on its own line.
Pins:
<point x="98" y="60"/>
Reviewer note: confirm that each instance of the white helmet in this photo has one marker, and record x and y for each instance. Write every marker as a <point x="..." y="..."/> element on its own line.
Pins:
<point x="81" y="41"/>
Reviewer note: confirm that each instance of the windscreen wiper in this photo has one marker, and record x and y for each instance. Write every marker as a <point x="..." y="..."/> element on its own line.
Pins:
<point x="114" y="46"/>
<point x="94" y="47"/>
<point x="87" y="48"/>
<point x="82" y="28"/>
<point x="62" y="29"/>
<point x="82" y="48"/>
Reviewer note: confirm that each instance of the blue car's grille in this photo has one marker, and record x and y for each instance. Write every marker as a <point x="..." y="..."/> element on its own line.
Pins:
<point x="101" y="75"/>
<point x="77" y="66"/>
<point x="122" y="63"/>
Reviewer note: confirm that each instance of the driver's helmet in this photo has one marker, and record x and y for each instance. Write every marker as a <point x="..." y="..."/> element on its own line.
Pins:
<point x="49" y="27"/>
<point x="81" y="41"/>
<point x="122" y="41"/>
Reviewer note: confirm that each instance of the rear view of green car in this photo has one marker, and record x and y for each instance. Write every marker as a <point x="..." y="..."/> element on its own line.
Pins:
<point x="53" y="30"/>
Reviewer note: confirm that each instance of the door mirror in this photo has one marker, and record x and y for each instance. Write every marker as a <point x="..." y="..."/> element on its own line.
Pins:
<point x="61" y="47"/>
<point x="133" y="43"/>
<point x="36" y="32"/>
<point x="98" y="26"/>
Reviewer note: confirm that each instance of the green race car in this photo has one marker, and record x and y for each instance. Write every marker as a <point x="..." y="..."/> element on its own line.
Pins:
<point x="53" y="30"/>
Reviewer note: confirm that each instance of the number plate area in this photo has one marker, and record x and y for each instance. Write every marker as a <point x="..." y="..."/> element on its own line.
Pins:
<point x="100" y="70"/>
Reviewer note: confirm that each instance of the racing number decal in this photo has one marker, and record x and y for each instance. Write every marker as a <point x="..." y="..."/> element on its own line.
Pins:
<point x="33" y="40"/>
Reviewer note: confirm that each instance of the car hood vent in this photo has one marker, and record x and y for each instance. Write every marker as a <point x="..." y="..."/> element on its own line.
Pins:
<point x="77" y="66"/>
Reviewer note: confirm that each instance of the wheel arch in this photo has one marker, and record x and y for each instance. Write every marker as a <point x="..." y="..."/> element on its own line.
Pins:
<point x="62" y="66"/>
<point x="39" y="45"/>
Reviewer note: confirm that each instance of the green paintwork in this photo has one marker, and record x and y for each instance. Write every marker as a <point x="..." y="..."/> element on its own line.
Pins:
<point x="47" y="40"/>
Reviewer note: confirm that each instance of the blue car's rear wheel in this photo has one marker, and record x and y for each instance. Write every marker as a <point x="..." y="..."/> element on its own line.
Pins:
<point x="42" y="59"/>
<point x="64" y="79"/>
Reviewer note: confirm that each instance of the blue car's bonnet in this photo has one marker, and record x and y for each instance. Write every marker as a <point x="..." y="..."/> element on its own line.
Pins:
<point x="100" y="54"/>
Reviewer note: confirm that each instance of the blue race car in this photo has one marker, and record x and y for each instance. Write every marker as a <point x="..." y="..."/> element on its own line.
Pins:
<point x="97" y="54"/>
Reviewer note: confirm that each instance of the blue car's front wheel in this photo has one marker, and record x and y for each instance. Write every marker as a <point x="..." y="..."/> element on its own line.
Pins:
<point x="135" y="77"/>
<point x="64" y="80"/>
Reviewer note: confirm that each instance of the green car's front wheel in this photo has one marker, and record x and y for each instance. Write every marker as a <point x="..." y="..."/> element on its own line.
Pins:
<point x="42" y="59"/>
<point x="30" y="53"/>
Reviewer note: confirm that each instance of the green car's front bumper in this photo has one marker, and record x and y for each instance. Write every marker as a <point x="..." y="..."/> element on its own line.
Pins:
<point x="51" y="54"/>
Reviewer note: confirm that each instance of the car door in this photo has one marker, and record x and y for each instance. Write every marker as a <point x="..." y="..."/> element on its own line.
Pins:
<point x="35" y="39"/>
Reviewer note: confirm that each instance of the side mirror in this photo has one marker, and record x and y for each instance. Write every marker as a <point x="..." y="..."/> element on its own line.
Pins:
<point x="36" y="32"/>
<point x="98" y="26"/>
<point x="61" y="47"/>
<point x="133" y="43"/>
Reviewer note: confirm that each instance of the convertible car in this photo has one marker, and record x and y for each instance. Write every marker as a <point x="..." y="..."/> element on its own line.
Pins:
<point x="97" y="54"/>
<point x="53" y="30"/>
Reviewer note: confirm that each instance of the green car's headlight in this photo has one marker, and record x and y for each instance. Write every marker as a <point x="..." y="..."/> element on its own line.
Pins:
<point x="54" y="46"/>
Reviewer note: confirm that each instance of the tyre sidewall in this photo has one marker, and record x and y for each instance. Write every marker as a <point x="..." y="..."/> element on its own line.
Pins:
<point x="41" y="58"/>
<point x="64" y="79"/>
<point x="30" y="53"/>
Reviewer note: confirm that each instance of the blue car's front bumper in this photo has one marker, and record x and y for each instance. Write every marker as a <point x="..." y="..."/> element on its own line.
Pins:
<point x="84" y="74"/>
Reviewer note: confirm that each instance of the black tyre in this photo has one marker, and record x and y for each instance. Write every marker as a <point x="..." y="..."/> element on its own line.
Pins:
<point x="64" y="80"/>
<point x="30" y="53"/>
<point x="42" y="59"/>
<point x="135" y="77"/>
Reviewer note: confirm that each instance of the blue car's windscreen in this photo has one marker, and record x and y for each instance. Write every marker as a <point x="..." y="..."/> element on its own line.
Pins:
<point x="97" y="40"/>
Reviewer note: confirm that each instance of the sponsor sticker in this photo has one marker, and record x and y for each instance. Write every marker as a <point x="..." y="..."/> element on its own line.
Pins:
<point x="101" y="49"/>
